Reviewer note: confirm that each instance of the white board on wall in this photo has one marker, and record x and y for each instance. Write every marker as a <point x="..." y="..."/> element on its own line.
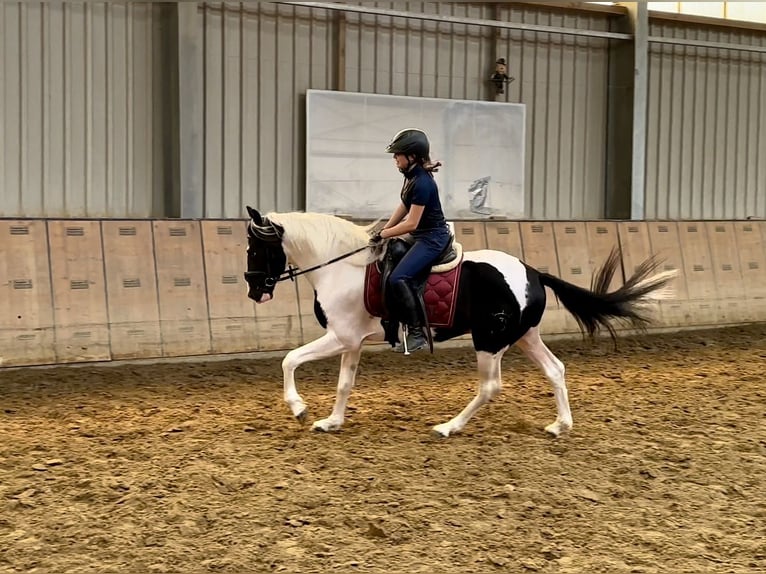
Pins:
<point x="481" y="145"/>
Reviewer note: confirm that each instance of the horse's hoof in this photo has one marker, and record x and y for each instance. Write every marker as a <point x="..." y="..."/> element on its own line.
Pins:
<point x="302" y="416"/>
<point x="440" y="431"/>
<point x="557" y="428"/>
<point x="325" y="426"/>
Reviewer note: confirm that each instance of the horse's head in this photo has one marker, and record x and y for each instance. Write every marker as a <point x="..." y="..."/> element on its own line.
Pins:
<point x="266" y="259"/>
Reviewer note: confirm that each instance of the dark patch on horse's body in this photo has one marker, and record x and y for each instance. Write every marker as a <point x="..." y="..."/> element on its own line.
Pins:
<point x="319" y="312"/>
<point x="488" y="309"/>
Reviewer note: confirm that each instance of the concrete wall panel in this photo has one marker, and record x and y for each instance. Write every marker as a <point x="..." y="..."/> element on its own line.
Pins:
<point x="181" y="285"/>
<point x="131" y="289"/>
<point x="232" y="315"/>
<point x="26" y="300"/>
<point x="79" y="291"/>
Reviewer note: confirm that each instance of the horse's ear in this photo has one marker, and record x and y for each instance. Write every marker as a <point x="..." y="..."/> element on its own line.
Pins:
<point x="254" y="215"/>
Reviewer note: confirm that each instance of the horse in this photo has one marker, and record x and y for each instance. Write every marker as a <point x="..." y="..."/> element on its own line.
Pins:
<point x="500" y="301"/>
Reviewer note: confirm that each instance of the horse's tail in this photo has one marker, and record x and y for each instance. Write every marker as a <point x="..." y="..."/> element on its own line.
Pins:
<point x="596" y="308"/>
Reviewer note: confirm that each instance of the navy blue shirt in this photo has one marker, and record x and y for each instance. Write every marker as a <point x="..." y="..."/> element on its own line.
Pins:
<point x="420" y="189"/>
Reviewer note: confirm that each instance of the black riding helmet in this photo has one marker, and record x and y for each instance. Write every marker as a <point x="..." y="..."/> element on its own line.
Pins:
<point x="411" y="141"/>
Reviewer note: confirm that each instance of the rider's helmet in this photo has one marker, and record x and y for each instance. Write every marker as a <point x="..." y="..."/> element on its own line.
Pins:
<point x="411" y="141"/>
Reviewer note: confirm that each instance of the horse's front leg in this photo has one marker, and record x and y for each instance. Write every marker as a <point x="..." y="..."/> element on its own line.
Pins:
<point x="349" y="361"/>
<point x="326" y="346"/>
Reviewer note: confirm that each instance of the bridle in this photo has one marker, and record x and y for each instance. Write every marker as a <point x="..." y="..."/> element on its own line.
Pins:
<point x="272" y="235"/>
<point x="292" y="272"/>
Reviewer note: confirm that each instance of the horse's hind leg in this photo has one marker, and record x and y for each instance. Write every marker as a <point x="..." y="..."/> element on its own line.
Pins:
<point x="533" y="347"/>
<point x="349" y="362"/>
<point x="489" y="387"/>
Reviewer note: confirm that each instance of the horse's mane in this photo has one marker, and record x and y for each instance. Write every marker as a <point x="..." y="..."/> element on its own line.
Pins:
<point x="322" y="236"/>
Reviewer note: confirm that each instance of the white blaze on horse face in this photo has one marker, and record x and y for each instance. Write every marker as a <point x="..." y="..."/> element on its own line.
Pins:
<point x="265" y="297"/>
<point x="513" y="270"/>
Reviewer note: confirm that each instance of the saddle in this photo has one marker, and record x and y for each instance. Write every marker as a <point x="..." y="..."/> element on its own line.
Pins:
<point x="435" y="287"/>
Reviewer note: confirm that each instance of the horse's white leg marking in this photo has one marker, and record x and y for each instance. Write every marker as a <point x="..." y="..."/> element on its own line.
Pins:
<point x="534" y="348"/>
<point x="349" y="362"/>
<point x="326" y="346"/>
<point x="489" y="387"/>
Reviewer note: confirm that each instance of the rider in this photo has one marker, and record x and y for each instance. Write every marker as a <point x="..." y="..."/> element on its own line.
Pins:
<point x="419" y="214"/>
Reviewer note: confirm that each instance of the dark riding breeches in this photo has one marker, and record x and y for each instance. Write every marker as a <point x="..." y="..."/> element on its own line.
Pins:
<point x="427" y="247"/>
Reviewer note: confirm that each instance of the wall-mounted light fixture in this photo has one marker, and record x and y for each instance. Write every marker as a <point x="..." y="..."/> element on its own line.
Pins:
<point x="500" y="77"/>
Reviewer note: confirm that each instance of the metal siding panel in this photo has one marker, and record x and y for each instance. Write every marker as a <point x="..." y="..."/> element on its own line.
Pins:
<point x="215" y="92"/>
<point x="751" y="158"/>
<point x="251" y="121"/>
<point x="699" y="131"/>
<point x="562" y="81"/>
<point x="97" y="109"/>
<point x="268" y="133"/>
<point x="652" y="131"/>
<point x="673" y="158"/>
<point x="593" y="189"/>
<point x="566" y="134"/>
<point x="75" y="122"/>
<point x="32" y="147"/>
<point x="709" y="128"/>
<point x="11" y="88"/>
<point x="140" y="109"/>
<point x="231" y="200"/>
<point x="284" y="109"/>
<point x="553" y="96"/>
<point x="68" y="99"/>
<point x="118" y="132"/>
<point x="710" y="141"/>
<point x="53" y="106"/>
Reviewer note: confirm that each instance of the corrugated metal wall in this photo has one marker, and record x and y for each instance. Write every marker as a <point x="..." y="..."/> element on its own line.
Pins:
<point x="706" y="138"/>
<point x="563" y="81"/>
<point x="78" y="109"/>
<point x="260" y="59"/>
<point x="87" y="109"/>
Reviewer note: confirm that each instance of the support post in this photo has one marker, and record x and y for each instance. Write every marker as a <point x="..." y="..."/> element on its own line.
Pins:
<point x="638" y="13"/>
<point x="626" y="117"/>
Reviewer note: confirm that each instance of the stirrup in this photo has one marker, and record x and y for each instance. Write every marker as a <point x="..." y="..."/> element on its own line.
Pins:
<point x="411" y="341"/>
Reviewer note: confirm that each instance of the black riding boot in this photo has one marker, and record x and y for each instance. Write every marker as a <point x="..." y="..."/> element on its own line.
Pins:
<point x="410" y="314"/>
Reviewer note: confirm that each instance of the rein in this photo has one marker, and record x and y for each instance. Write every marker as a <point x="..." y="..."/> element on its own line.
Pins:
<point x="291" y="272"/>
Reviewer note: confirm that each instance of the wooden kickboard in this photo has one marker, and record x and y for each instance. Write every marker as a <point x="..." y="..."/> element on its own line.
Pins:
<point x="539" y="248"/>
<point x="181" y="286"/>
<point x="504" y="236"/>
<point x="131" y="289"/>
<point x="471" y="235"/>
<point x="635" y="245"/>
<point x="725" y="260"/>
<point x="602" y="238"/>
<point x="663" y="238"/>
<point x="572" y="250"/>
<point x="751" y="247"/>
<point x="232" y="315"/>
<point x="698" y="267"/>
<point x="636" y="248"/>
<point x="26" y="299"/>
<point x="79" y="291"/>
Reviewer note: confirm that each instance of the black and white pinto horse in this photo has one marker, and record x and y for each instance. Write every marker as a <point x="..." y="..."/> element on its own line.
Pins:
<point x="500" y="301"/>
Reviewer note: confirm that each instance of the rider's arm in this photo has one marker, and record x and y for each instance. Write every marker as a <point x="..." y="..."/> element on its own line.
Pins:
<point x="397" y="216"/>
<point x="408" y="225"/>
